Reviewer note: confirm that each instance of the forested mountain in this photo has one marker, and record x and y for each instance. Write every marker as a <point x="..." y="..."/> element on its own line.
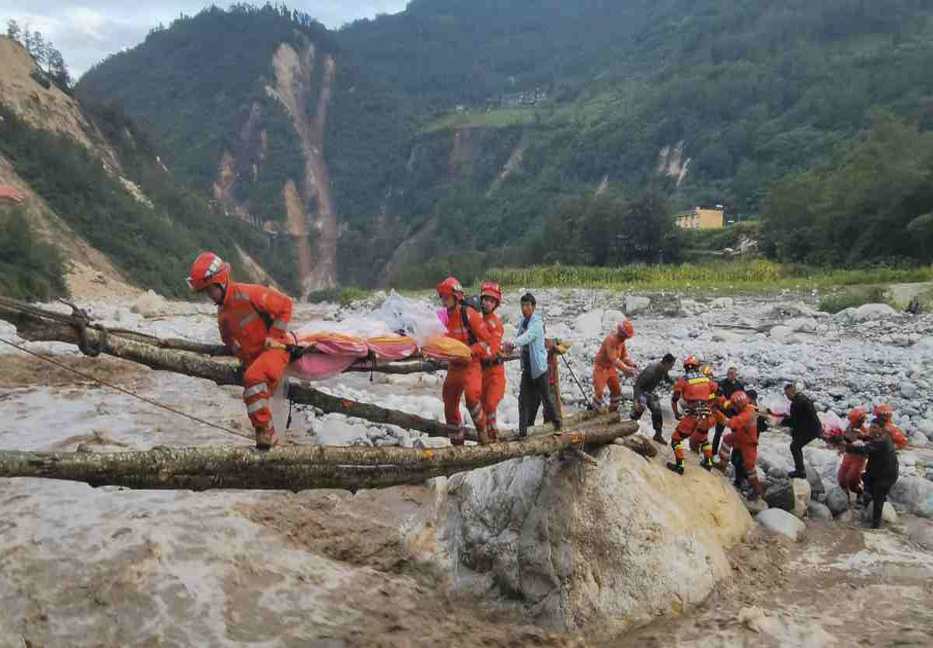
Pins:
<point x="449" y="135"/>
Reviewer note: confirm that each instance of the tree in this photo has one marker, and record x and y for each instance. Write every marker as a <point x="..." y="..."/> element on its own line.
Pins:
<point x="12" y="30"/>
<point x="58" y="71"/>
<point x="39" y="51"/>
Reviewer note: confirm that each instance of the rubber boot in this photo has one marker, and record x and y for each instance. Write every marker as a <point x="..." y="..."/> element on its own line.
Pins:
<point x="678" y="464"/>
<point x="266" y="438"/>
<point x="707" y="461"/>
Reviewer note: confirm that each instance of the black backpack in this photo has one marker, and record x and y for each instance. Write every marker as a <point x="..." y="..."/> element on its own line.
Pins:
<point x="476" y="304"/>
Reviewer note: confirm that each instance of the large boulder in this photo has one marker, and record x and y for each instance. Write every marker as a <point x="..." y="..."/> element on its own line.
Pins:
<point x="635" y="304"/>
<point x="610" y="319"/>
<point x="868" y="312"/>
<point x="791" y="495"/>
<point x="888" y="514"/>
<point x="589" y="325"/>
<point x="922" y="535"/>
<point x="150" y="304"/>
<point x="783" y="334"/>
<point x="914" y="495"/>
<point x="570" y="544"/>
<point x="837" y="500"/>
<point x="819" y="511"/>
<point x="782" y="522"/>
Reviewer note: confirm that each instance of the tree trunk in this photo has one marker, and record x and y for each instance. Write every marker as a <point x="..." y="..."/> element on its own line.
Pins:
<point x="291" y="468"/>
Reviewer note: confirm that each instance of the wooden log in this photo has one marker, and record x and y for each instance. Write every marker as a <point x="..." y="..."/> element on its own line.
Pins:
<point x="224" y="373"/>
<point x="292" y="468"/>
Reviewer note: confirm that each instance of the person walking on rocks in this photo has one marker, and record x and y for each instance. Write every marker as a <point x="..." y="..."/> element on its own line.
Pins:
<point x="881" y="473"/>
<point x="253" y="323"/>
<point x="645" y="398"/>
<point x="744" y="440"/>
<point x="610" y="360"/>
<point x="534" y="390"/>
<point x="853" y="465"/>
<point x="804" y="426"/>
<point x="465" y="324"/>
<point x="493" y="367"/>
<point x="695" y="389"/>
<point x="727" y="387"/>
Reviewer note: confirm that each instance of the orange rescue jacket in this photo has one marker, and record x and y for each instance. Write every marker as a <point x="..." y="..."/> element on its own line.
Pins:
<point x="612" y="354"/>
<point x="248" y="315"/>
<point x="480" y="342"/>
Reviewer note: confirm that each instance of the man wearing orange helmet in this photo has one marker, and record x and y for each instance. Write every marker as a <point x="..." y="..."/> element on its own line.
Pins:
<point x="883" y="415"/>
<point x="493" y="368"/>
<point x="612" y="358"/>
<point x="742" y="440"/>
<point x="853" y="465"/>
<point x="253" y="322"/>
<point x="696" y="391"/>
<point x="464" y="378"/>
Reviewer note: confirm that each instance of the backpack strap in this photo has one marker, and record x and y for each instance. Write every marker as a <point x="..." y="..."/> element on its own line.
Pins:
<point x="465" y="320"/>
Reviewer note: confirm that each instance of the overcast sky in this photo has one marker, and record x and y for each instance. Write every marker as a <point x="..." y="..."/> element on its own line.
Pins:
<point x="85" y="32"/>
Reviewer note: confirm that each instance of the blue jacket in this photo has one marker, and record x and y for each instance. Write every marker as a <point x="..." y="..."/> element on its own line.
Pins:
<point x="532" y="336"/>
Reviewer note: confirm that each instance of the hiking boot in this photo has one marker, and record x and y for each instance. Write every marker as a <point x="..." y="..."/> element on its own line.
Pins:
<point x="677" y="468"/>
<point x="706" y="465"/>
<point x="659" y="438"/>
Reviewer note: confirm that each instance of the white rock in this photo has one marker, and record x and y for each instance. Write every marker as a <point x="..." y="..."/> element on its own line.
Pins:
<point x="781" y="334"/>
<point x="589" y="325"/>
<point x="723" y="303"/>
<point x="873" y="312"/>
<point x="924" y="344"/>
<point x="635" y="304"/>
<point x="819" y="511"/>
<point x="914" y="494"/>
<point x="547" y="538"/>
<point x="610" y="320"/>
<point x="801" y="324"/>
<point x="150" y="304"/>
<point x="909" y="390"/>
<point x="782" y="522"/>
<point x="888" y="514"/>
<point x="432" y="442"/>
<point x="922" y="535"/>
<point x="727" y="337"/>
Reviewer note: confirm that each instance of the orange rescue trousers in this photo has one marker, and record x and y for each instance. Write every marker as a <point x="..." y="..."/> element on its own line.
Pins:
<point x="603" y="376"/>
<point x="464" y="380"/>
<point x="696" y="428"/>
<point x="259" y="382"/>
<point x="493" y="391"/>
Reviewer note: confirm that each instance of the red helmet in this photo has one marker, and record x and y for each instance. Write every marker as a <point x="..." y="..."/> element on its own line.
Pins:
<point x="856" y="416"/>
<point x="883" y="412"/>
<point x="450" y="286"/>
<point x="491" y="289"/>
<point x="208" y="269"/>
<point x="625" y="329"/>
<point x="691" y="362"/>
<point x="740" y="400"/>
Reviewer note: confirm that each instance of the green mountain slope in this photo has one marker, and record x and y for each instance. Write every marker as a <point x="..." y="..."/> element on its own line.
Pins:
<point x="462" y="126"/>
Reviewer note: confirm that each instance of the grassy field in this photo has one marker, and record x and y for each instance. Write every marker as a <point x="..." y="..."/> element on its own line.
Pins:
<point x="756" y="276"/>
<point x="493" y="119"/>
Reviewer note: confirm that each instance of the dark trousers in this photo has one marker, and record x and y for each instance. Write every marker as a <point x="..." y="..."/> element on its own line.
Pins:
<point x="717" y="436"/>
<point x="650" y="402"/>
<point x="879" y="495"/>
<point x="796" y="449"/>
<point x="740" y="473"/>
<point x="532" y="393"/>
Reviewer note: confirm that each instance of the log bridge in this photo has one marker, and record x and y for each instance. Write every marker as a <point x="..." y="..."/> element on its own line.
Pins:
<point x="291" y="468"/>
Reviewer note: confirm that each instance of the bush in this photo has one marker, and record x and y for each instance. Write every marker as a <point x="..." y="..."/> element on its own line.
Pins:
<point x="29" y="268"/>
<point x="853" y="297"/>
<point x="343" y="296"/>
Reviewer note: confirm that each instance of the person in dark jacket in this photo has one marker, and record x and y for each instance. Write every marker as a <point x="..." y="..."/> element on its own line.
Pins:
<point x="804" y="426"/>
<point x="882" y="471"/>
<point x="645" y="398"/>
<point x="727" y="387"/>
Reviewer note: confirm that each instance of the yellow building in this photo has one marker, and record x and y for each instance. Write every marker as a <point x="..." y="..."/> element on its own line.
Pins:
<point x="702" y="218"/>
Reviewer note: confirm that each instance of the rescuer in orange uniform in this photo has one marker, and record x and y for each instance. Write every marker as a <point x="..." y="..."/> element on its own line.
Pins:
<point x="743" y="438"/>
<point x="251" y="319"/>
<point x="493" y="367"/>
<point x="466" y="325"/>
<point x="698" y="393"/>
<point x="883" y="415"/>
<point x="853" y="465"/>
<point x="612" y="358"/>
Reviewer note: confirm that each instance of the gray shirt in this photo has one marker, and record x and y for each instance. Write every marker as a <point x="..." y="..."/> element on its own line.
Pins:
<point x="649" y="379"/>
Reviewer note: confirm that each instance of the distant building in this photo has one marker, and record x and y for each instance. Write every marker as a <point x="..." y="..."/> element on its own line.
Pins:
<point x="702" y="218"/>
